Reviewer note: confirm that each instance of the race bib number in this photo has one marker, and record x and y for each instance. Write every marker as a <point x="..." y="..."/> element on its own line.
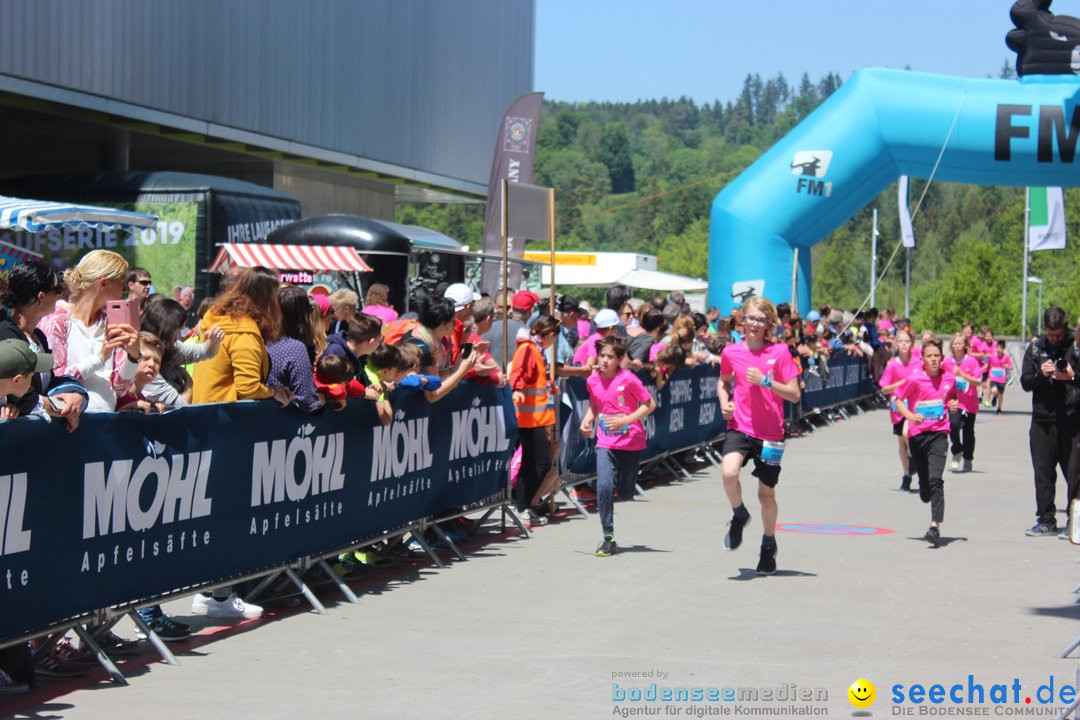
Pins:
<point x="962" y="385"/>
<point x="892" y="406"/>
<point x="998" y="374"/>
<point x="772" y="452"/>
<point x="930" y="409"/>
<point x="603" y="425"/>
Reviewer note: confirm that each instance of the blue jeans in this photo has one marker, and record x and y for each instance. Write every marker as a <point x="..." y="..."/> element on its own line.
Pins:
<point x="614" y="468"/>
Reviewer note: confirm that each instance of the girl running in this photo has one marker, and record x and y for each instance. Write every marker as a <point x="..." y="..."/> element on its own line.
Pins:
<point x="968" y="374"/>
<point x="925" y="400"/>
<point x="617" y="402"/>
<point x="896" y="373"/>
<point x="1000" y="365"/>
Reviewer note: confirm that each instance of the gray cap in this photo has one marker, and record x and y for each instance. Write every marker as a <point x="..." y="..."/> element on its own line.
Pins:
<point x="18" y="358"/>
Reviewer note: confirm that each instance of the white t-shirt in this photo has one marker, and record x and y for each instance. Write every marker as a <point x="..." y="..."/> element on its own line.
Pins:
<point x="84" y="352"/>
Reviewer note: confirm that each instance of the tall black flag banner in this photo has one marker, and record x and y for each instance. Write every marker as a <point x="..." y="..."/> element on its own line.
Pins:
<point x="515" y="148"/>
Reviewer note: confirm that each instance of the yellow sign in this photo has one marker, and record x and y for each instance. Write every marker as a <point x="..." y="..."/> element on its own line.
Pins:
<point x="562" y="258"/>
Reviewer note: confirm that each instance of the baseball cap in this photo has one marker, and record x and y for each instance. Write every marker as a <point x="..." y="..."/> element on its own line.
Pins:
<point x="18" y="358"/>
<point x="813" y="316"/>
<point x="568" y="303"/>
<point x="525" y="300"/>
<point x="606" y="318"/>
<point x="460" y="294"/>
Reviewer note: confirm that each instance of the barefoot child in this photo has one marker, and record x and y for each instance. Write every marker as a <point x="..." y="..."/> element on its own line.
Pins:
<point x="617" y="402"/>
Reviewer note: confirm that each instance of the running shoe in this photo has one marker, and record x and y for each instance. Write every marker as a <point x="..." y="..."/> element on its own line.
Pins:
<point x="955" y="464"/>
<point x="113" y="644"/>
<point x="905" y="483"/>
<point x="607" y="546"/>
<point x="167" y="629"/>
<point x="64" y="661"/>
<point x="733" y="539"/>
<point x="933" y="536"/>
<point x="535" y="519"/>
<point x="967" y="466"/>
<point x="767" y="561"/>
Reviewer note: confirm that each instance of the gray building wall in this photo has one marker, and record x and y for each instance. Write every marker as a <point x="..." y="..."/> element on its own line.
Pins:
<point x="418" y="84"/>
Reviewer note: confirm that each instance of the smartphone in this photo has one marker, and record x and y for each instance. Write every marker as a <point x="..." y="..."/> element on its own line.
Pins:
<point x="466" y="350"/>
<point x="123" y="312"/>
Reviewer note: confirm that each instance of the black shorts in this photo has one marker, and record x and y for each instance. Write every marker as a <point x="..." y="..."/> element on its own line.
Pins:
<point x="750" y="449"/>
<point x="1000" y="387"/>
<point x="898" y="427"/>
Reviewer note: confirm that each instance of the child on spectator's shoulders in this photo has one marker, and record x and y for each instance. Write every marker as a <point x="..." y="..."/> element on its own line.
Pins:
<point x="151" y="351"/>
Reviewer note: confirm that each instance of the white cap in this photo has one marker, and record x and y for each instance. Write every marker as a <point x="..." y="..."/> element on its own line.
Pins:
<point x="606" y="318"/>
<point x="460" y="294"/>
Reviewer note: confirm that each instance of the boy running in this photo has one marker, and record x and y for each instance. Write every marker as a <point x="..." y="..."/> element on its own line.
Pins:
<point x="756" y="376"/>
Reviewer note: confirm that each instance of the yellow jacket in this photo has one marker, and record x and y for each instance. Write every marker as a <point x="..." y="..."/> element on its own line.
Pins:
<point x="238" y="370"/>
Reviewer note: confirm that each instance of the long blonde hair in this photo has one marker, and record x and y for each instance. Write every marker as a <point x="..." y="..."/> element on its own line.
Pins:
<point x="96" y="265"/>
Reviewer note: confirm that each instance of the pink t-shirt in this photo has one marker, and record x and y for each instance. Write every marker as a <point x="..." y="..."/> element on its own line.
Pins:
<point x="979" y="346"/>
<point x="999" y="366"/>
<point x="620" y="394"/>
<point x="383" y="312"/>
<point x="930" y="397"/>
<point x="583" y="327"/>
<point x="895" y="371"/>
<point x="655" y="349"/>
<point x="967" y="393"/>
<point x="759" y="412"/>
<point x="884" y="324"/>
<point x="587" y="349"/>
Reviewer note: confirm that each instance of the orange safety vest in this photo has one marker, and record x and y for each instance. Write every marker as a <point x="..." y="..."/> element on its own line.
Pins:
<point x="537" y="410"/>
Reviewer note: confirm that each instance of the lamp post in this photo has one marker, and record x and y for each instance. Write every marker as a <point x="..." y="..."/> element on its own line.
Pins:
<point x="1039" y="282"/>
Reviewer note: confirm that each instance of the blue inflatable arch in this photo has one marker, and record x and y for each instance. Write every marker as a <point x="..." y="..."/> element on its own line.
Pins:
<point x="879" y="125"/>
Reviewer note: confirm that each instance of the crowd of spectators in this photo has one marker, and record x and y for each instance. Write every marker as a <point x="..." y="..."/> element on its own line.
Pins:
<point x="258" y="339"/>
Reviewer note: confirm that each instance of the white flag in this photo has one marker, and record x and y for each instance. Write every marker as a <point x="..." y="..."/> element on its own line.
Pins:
<point x="906" y="231"/>
<point x="1046" y="224"/>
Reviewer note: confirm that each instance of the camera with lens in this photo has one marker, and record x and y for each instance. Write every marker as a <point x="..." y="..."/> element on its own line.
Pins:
<point x="1061" y="364"/>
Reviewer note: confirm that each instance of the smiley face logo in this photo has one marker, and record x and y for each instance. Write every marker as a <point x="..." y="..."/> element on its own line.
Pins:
<point x="862" y="693"/>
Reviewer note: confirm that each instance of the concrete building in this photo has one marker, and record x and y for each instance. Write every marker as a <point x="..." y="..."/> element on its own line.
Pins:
<point x="348" y="105"/>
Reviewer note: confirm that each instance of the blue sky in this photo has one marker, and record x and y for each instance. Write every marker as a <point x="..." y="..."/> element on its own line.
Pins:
<point x="625" y="50"/>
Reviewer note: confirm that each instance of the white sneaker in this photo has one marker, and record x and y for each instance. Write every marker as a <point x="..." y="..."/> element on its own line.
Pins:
<point x="199" y="603"/>
<point x="955" y="464"/>
<point x="232" y="607"/>
<point x="535" y="519"/>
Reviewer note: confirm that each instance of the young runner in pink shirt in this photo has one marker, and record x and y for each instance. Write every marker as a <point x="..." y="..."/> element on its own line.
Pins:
<point x="1000" y="365"/>
<point x="925" y="401"/>
<point x="962" y="421"/>
<point x="756" y="376"/>
<point x="896" y="372"/>
<point x="617" y="402"/>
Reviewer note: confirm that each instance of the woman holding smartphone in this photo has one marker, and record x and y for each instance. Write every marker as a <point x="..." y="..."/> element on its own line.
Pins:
<point x="103" y="356"/>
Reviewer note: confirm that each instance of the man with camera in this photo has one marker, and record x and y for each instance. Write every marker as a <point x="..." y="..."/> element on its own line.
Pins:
<point x="1049" y="373"/>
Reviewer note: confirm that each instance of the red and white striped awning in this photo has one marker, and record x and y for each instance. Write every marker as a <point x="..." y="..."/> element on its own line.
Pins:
<point x="327" y="258"/>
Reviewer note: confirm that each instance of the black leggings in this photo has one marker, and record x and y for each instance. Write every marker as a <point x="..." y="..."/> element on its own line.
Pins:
<point x="535" y="463"/>
<point x="928" y="455"/>
<point x="962" y="434"/>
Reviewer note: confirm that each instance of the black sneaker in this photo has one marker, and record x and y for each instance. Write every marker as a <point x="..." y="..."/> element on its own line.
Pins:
<point x="933" y="536"/>
<point x="924" y="491"/>
<point x="733" y="539"/>
<point x="905" y="483"/>
<point x="1042" y="530"/>
<point x="607" y="546"/>
<point x="766" y="564"/>
<point x="168" y="629"/>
